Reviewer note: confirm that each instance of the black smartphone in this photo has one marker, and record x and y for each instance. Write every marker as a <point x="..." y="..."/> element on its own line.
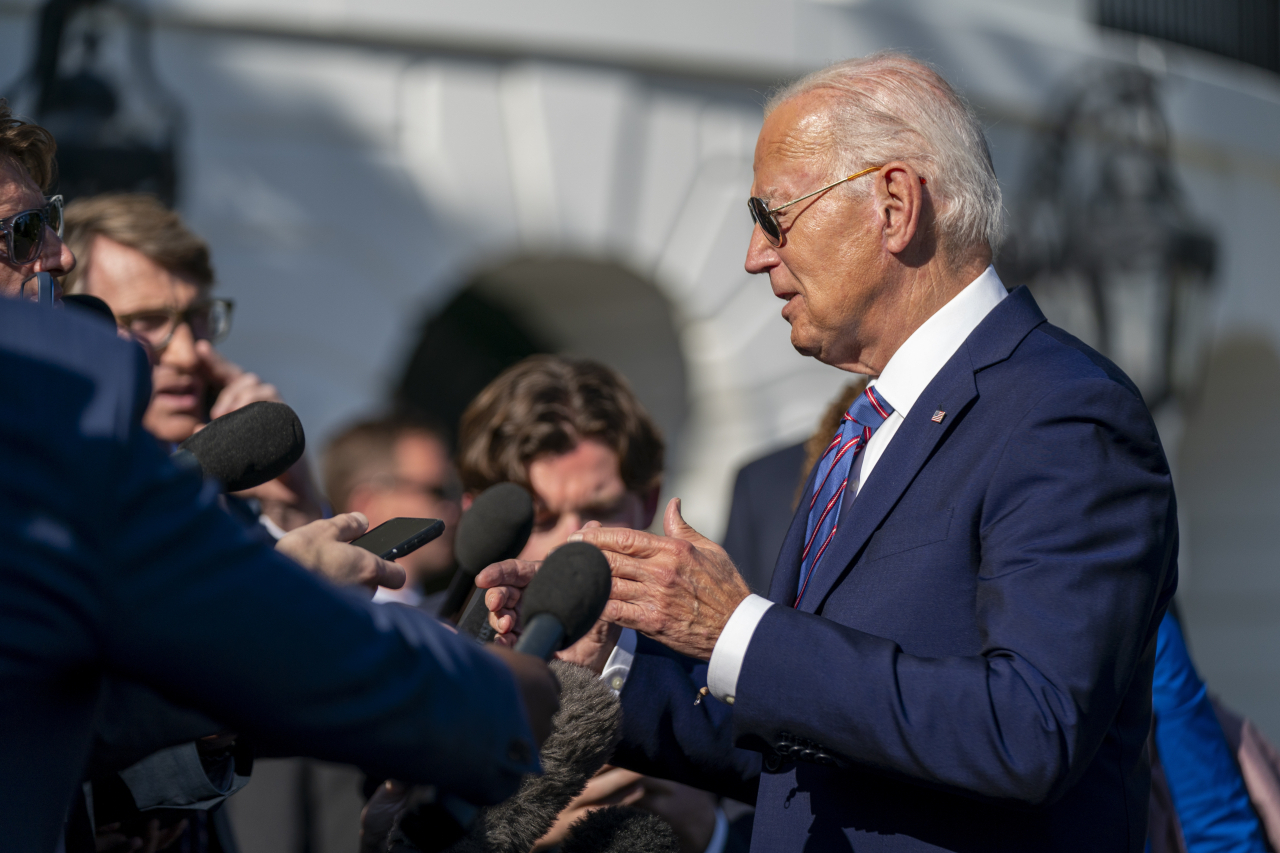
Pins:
<point x="393" y="539"/>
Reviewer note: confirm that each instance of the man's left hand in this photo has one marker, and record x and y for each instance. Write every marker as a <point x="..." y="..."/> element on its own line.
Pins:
<point x="679" y="589"/>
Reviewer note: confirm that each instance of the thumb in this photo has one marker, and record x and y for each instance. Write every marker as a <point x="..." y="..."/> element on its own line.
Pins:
<point x="349" y="525"/>
<point x="674" y="525"/>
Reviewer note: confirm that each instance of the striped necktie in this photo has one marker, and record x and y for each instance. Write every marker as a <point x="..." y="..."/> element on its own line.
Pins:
<point x="863" y="418"/>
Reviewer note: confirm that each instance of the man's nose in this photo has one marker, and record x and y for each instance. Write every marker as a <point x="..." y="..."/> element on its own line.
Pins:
<point x="761" y="254"/>
<point x="55" y="258"/>
<point x="181" y="351"/>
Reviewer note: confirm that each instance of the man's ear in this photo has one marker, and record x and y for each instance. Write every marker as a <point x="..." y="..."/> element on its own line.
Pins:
<point x="899" y="200"/>
<point x="649" y="501"/>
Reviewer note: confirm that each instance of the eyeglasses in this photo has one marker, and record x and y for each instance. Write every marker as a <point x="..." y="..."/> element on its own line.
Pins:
<point x="764" y="216"/>
<point x="209" y="320"/>
<point x="24" y="232"/>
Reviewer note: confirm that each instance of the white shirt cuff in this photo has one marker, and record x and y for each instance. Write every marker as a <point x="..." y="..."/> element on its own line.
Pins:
<point x="618" y="666"/>
<point x="731" y="647"/>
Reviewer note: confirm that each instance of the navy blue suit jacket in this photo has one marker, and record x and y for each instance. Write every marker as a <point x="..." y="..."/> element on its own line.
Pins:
<point x="114" y="560"/>
<point x="970" y="669"/>
<point x="763" y="502"/>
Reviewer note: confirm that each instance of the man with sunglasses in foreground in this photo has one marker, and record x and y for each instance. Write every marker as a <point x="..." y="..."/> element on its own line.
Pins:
<point x="155" y="274"/>
<point x="115" y="561"/>
<point x="956" y="649"/>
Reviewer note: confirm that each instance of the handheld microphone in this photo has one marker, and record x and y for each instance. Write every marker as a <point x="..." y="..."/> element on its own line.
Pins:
<point x="584" y="733"/>
<point x="564" y="599"/>
<point x="496" y="528"/>
<point x="247" y="447"/>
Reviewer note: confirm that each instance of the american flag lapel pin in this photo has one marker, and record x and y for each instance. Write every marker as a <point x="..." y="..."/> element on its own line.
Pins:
<point x="938" y="416"/>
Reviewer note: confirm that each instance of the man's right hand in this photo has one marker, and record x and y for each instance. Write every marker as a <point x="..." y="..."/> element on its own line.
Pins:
<point x="539" y="688"/>
<point x="321" y="547"/>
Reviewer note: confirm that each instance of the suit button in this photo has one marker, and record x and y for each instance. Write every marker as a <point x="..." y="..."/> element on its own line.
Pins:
<point x="772" y="762"/>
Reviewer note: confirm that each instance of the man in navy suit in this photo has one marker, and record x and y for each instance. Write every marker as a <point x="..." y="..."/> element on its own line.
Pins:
<point x="957" y="647"/>
<point x="114" y="560"/>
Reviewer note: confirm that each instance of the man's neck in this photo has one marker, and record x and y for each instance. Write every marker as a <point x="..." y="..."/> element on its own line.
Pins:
<point x="916" y="295"/>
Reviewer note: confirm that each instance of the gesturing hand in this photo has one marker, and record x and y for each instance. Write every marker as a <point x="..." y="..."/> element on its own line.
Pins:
<point x="679" y="589"/>
<point x="321" y="547"/>
<point x="503" y="585"/>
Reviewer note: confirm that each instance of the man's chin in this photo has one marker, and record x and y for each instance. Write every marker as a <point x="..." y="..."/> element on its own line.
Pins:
<point x="173" y="427"/>
<point x="806" y="348"/>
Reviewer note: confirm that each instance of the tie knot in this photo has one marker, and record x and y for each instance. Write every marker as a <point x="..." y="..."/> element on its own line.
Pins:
<point x="869" y="410"/>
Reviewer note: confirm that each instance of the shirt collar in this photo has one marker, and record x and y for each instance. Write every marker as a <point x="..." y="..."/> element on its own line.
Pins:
<point x="931" y="346"/>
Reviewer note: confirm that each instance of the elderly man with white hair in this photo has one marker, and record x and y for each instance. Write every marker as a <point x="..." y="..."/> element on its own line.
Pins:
<point x="957" y="647"/>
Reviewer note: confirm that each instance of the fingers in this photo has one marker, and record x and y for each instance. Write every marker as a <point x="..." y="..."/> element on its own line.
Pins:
<point x="388" y="574"/>
<point x="346" y="525"/>
<point x="628" y="615"/>
<point x="620" y="540"/>
<point x="512" y="573"/>
<point x="240" y="392"/>
<point x="218" y="369"/>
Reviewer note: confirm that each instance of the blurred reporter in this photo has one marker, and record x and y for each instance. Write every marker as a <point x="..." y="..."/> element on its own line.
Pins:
<point x="116" y="562"/>
<point x="156" y="275"/>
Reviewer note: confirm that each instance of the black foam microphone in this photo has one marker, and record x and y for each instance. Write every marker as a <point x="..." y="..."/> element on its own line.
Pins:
<point x="564" y="599"/>
<point x="247" y="447"/>
<point x="496" y="528"/>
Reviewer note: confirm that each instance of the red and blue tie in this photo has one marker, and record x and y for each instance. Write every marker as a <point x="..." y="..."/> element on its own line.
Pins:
<point x="864" y="417"/>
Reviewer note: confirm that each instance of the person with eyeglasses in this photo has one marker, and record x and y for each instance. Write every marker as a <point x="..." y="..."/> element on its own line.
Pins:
<point x="156" y="276"/>
<point x="115" y="563"/>
<point x="30" y="222"/>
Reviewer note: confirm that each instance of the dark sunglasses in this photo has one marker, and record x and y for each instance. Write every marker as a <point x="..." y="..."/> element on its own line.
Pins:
<point x="24" y="232"/>
<point x="764" y="215"/>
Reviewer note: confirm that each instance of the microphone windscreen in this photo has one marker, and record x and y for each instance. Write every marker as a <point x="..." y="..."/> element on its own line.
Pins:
<point x="584" y="733"/>
<point x="620" y="829"/>
<point x="573" y="586"/>
<point x="496" y="528"/>
<point x="249" y="446"/>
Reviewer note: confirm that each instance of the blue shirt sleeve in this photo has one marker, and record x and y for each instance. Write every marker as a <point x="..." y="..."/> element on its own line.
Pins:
<point x="1208" y="791"/>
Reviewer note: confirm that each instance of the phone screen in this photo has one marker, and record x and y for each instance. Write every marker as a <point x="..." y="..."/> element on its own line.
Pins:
<point x="393" y="539"/>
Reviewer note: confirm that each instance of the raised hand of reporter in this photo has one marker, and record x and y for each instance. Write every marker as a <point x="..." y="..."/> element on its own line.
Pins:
<point x="679" y="589"/>
<point x="538" y="687"/>
<point x="290" y="500"/>
<point x="504" y="585"/>
<point x="321" y="547"/>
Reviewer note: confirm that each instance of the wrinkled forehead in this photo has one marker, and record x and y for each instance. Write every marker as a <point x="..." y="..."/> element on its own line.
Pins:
<point x="797" y="136"/>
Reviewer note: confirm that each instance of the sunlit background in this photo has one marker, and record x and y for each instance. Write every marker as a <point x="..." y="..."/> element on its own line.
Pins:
<point x="404" y="196"/>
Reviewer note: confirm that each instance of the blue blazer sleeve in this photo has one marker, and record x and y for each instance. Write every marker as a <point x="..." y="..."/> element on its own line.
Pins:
<point x="115" y="561"/>
<point x="1208" y="791"/>
<point x="665" y="734"/>
<point x="1075" y="531"/>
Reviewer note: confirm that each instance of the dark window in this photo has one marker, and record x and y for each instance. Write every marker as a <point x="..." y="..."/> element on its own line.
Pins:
<point x="1246" y="30"/>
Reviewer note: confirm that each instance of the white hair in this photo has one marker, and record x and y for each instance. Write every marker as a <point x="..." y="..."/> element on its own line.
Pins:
<point x="888" y="106"/>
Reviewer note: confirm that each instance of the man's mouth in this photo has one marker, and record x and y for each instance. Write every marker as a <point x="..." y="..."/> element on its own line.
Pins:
<point x="183" y="396"/>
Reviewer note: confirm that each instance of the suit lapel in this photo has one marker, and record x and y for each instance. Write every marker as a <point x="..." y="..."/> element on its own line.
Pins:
<point x="952" y="391"/>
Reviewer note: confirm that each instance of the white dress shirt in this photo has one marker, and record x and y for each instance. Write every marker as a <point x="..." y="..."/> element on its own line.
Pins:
<point x="901" y="383"/>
